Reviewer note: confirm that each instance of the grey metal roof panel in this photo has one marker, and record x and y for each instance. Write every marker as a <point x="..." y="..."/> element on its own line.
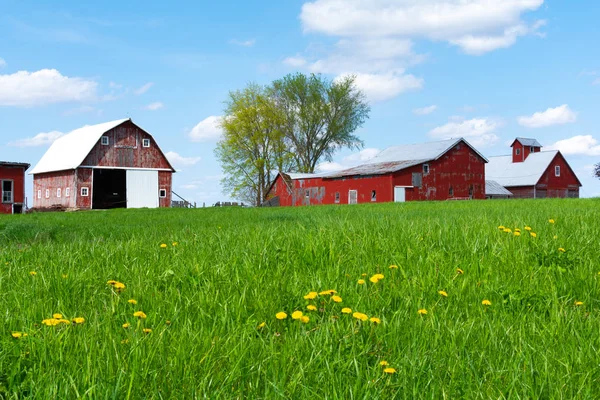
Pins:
<point x="493" y="188"/>
<point x="376" y="168"/>
<point x="527" y="173"/>
<point x="528" y="142"/>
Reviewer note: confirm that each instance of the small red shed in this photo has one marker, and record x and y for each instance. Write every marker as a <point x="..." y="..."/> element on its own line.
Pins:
<point x="116" y="164"/>
<point x="12" y="187"/>
<point x="531" y="173"/>
<point x="445" y="170"/>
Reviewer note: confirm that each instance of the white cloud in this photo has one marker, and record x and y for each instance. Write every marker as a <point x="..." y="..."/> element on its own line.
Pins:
<point x="46" y="86"/>
<point x="207" y="130"/>
<point x="478" y="131"/>
<point x="552" y="116"/>
<point x="295" y="62"/>
<point x="425" y="110"/>
<point x="596" y="82"/>
<point x="244" y="43"/>
<point x="381" y="87"/>
<point x="2" y="63"/>
<point x="154" y="106"/>
<point x="584" y="145"/>
<point x="41" y="139"/>
<point x="475" y="25"/>
<point x="175" y="159"/>
<point x="143" y="89"/>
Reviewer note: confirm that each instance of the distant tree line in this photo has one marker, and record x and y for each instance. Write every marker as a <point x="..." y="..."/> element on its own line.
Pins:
<point x="292" y="124"/>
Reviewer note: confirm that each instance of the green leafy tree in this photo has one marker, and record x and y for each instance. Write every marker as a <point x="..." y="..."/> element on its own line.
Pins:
<point x="252" y="148"/>
<point x="597" y="170"/>
<point x="320" y="116"/>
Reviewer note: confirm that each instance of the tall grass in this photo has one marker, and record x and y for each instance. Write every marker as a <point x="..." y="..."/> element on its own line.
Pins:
<point x="225" y="271"/>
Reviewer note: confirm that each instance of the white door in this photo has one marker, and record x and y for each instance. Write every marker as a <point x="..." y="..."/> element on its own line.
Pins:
<point x="352" y="197"/>
<point x="399" y="194"/>
<point x="142" y="189"/>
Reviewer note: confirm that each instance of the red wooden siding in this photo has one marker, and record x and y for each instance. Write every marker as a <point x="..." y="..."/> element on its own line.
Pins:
<point x="524" y="151"/>
<point x="17" y="175"/>
<point x="164" y="182"/>
<point x="52" y="181"/>
<point x="84" y="179"/>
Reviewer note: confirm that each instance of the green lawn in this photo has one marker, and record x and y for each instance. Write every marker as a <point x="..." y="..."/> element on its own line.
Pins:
<point x="225" y="271"/>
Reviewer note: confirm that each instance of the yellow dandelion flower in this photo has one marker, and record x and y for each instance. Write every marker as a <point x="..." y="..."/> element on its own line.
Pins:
<point x="551" y="221"/>
<point x="78" y="320"/>
<point x="501" y="227"/>
<point x="163" y="245"/>
<point x="327" y="292"/>
<point x="579" y="303"/>
<point x="337" y="299"/>
<point x="18" y="335"/>
<point x="32" y="273"/>
<point x="65" y="276"/>
<point x="139" y="314"/>
<point x="64" y="321"/>
<point x="361" y="282"/>
<point x="374" y="279"/>
<point x="528" y="228"/>
<point x="311" y="296"/>
<point x="375" y="320"/>
<point x="517" y="230"/>
<point x="361" y="316"/>
<point x="132" y="301"/>
<point x="304" y="319"/>
<point x="422" y="311"/>
<point x="346" y="310"/>
<point x="111" y="282"/>
<point x="459" y="271"/>
<point x="486" y="302"/>
<point x="147" y="330"/>
<point x="310" y="307"/>
<point x="261" y="325"/>
<point x="126" y="325"/>
<point x="174" y="243"/>
<point x="51" y="322"/>
<point x="384" y="363"/>
<point x="443" y="293"/>
<point x="555" y="237"/>
<point x="507" y="230"/>
<point x="533" y="234"/>
<point x="297" y="315"/>
<point x="389" y="371"/>
<point x="57" y="316"/>
<point x="379" y="276"/>
<point x="119" y="286"/>
<point x="363" y="274"/>
<point x="560" y="249"/>
<point x="281" y="315"/>
<point x="517" y="233"/>
<point x="393" y="266"/>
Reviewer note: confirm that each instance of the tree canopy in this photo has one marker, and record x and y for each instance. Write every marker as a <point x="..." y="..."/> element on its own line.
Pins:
<point x="597" y="170"/>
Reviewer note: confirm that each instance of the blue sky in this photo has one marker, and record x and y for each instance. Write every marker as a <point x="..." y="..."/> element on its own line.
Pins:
<point x="485" y="70"/>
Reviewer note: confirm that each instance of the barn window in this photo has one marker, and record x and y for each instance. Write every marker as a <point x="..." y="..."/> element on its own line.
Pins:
<point x="517" y="151"/>
<point x="162" y="193"/>
<point x="352" y="196"/>
<point x="67" y="192"/>
<point x="531" y="149"/>
<point x="307" y="193"/>
<point x="417" y="179"/>
<point x="104" y="140"/>
<point x="337" y="197"/>
<point x="451" y="191"/>
<point x="373" y="195"/>
<point x="425" y="169"/>
<point x="557" y="170"/>
<point x="7" y="191"/>
<point x="58" y="192"/>
<point x="47" y="193"/>
<point x="146" y="142"/>
<point x="84" y="192"/>
<point x="39" y="194"/>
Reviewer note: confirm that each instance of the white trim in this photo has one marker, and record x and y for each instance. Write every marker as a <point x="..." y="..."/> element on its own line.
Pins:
<point x="557" y="170"/>
<point x="58" y="192"/>
<point x="47" y="193"/>
<point x="67" y="191"/>
<point x="39" y="193"/>
<point x="134" y="168"/>
<point x="87" y="191"/>
<point x="102" y="141"/>
<point x="160" y="192"/>
<point x="144" y="141"/>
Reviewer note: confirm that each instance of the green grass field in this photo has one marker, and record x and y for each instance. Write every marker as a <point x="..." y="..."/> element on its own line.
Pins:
<point x="223" y="272"/>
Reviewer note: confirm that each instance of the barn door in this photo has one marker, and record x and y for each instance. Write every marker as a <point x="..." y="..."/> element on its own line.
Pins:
<point x="142" y="189"/>
<point x="352" y="197"/>
<point x="399" y="194"/>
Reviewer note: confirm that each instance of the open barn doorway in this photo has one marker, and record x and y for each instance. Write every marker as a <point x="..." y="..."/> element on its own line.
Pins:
<point x="110" y="189"/>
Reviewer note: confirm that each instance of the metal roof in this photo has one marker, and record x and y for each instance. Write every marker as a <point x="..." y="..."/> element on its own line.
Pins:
<point x="527" y="173"/>
<point x="528" y="142"/>
<point x="69" y="151"/>
<point x="14" y="164"/>
<point x="493" y="188"/>
<point x="376" y="168"/>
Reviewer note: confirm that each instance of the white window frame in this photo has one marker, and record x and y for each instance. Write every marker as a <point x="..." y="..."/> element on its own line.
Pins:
<point x="67" y="191"/>
<point x="373" y="195"/>
<point x="39" y="193"/>
<point x="307" y="193"/>
<point x="557" y="170"/>
<point x="11" y="192"/>
<point x="58" y="192"/>
<point x="161" y="195"/>
<point x="425" y="169"/>
<point x="337" y="197"/>
<point x="85" y="191"/>
<point x="104" y="141"/>
<point x="47" y="193"/>
<point x="518" y="151"/>
<point x="352" y="195"/>
<point x="145" y="142"/>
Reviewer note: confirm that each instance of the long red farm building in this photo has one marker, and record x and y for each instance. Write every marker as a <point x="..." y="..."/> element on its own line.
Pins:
<point x="12" y="187"/>
<point x="116" y="164"/>
<point x="449" y="169"/>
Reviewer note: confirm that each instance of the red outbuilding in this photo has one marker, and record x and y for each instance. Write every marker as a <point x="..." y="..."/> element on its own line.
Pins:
<point x="445" y="170"/>
<point x="532" y="173"/>
<point x="116" y="164"/>
<point x="12" y="186"/>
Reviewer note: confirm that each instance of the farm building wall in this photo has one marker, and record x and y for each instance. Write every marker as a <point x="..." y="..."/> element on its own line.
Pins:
<point x="16" y="174"/>
<point x="84" y="178"/>
<point x="524" y="151"/>
<point x="165" y="183"/>
<point x="46" y="189"/>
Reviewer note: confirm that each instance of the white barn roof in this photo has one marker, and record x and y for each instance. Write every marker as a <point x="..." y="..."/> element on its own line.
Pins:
<point x="69" y="151"/>
<point x="527" y="173"/>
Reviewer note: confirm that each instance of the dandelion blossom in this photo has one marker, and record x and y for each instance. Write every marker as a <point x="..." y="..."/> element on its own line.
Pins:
<point x="64" y="321"/>
<point x="126" y="325"/>
<point x="528" y="228"/>
<point x="281" y="315"/>
<point x="374" y="279"/>
<point x="459" y="271"/>
<point x="51" y="322"/>
<point x="517" y="230"/>
<point x="486" y="302"/>
<point x="533" y="234"/>
<point x="346" y="310"/>
<point x="132" y="301"/>
<point x="422" y="311"/>
<point x="261" y="325"/>
<point x="389" y="371"/>
<point x="501" y="227"/>
<point x="174" y="243"/>
<point x="551" y="221"/>
<point x="375" y="320"/>
<point x="147" y="330"/>
<point x="78" y="320"/>
<point x="393" y="266"/>
<point x="517" y="233"/>
<point x="310" y="307"/>
<point x="361" y="316"/>
<point x="363" y="274"/>
<point x="361" y="282"/>
<point x="57" y="316"/>
<point x="311" y="296"/>
<point x="304" y="319"/>
<point x="384" y="363"/>
<point x="32" y="273"/>
<point x="163" y="245"/>
<point x="507" y="230"/>
<point x="337" y="299"/>
<point x="139" y="314"/>
<point x="327" y="292"/>
<point x="111" y="282"/>
<point x="297" y="315"/>
<point x="18" y="335"/>
<point x="443" y="293"/>
<point x="119" y="286"/>
<point x="561" y="250"/>
<point x="578" y="303"/>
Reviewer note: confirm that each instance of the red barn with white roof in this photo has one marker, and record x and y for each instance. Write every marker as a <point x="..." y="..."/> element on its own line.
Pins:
<point x="116" y="164"/>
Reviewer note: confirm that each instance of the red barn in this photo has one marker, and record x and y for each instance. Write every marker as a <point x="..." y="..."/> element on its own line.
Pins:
<point x="12" y="187"/>
<point x="450" y="169"/>
<point x="116" y="164"/>
<point x="531" y="173"/>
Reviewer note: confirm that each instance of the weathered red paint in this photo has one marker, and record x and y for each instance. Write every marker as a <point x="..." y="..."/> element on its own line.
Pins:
<point x="165" y="182"/>
<point x="550" y="185"/>
<point x="461" y="167"/>
<point x="524" y="151"/>
<point x="14" y="172"/>
<point x="51" y="182"/>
